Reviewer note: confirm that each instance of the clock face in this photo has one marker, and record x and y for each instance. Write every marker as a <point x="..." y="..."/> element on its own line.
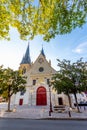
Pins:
<point x="40" y="60"/>
<point x="41" y="69"/>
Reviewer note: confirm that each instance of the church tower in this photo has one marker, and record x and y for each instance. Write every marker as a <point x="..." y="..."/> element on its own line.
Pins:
<point x="25" y="64"/>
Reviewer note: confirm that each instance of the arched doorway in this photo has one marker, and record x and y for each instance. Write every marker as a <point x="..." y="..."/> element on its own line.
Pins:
<point x="41" y="96"/>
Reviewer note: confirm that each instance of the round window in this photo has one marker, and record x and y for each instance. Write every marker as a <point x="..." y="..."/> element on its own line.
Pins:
<point x="41" y="69"/>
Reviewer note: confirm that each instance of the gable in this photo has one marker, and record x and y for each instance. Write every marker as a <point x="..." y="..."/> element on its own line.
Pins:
<point x="41" y="67"/>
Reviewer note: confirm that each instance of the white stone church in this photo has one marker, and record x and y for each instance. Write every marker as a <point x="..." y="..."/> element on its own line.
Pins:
<point x="39" y="75"/>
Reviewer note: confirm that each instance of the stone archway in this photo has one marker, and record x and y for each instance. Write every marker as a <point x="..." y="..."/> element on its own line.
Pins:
<point x="41" y="97"/>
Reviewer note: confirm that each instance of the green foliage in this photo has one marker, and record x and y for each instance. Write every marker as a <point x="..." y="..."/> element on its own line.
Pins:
<point x="11" y="82"/>
<point x="72" y="77"/>
<point x="46" y="17"/>
<point x="1" y="78"/>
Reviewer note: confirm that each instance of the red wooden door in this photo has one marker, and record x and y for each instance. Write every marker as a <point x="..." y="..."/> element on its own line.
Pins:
<point x="41" y="96"/>
<point x="21" y="102"/>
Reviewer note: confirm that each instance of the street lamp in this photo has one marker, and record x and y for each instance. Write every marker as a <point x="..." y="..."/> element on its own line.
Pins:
<point x="50" y="100"/>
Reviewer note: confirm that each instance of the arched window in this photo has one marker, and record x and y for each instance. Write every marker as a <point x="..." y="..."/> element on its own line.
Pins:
<point x="24" y="70"/>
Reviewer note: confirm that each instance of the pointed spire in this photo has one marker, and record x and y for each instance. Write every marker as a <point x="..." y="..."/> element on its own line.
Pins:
<point x="42" y="51"/>
<point x="26" y="58"/>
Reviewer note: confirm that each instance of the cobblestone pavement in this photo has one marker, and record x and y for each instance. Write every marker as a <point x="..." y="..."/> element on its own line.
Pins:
<point x="36" y="112"/>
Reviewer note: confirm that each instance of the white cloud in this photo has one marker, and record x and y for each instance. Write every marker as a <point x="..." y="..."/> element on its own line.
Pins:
<point x="81" y="48"/>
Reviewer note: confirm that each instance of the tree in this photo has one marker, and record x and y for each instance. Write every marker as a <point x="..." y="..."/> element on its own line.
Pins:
<point x="12" y="82"/>
<point x="46" y="17"/>
<point x="1" y="78"/>
<point x="71" y="78"/>
<point x="62" y="84"/>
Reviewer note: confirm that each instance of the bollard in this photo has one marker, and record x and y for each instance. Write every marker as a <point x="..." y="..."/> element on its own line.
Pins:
<point x="69" y="114"/>
<point x="14" y="109"/>
<point x="69" y="111"/>
<point x="49" y="113"/>
<point x="84" y="108"/>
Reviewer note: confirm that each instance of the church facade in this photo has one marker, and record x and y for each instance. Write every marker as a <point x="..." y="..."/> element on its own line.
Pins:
<point x="38" y="89"/>
<point x="38" y="75"/>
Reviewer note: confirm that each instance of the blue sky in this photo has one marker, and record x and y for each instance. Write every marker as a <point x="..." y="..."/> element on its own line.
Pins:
<point x="70" y="46"/>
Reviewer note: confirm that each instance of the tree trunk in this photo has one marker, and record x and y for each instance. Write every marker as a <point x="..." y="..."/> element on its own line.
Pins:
<point x="8" y="99"/>
<point x="70" y="104"/>
<point x="76" y="102"/>
<point x="8" y="104"/>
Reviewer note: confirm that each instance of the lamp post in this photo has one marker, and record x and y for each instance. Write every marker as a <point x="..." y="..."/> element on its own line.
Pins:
<point x="50" y="100"/>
